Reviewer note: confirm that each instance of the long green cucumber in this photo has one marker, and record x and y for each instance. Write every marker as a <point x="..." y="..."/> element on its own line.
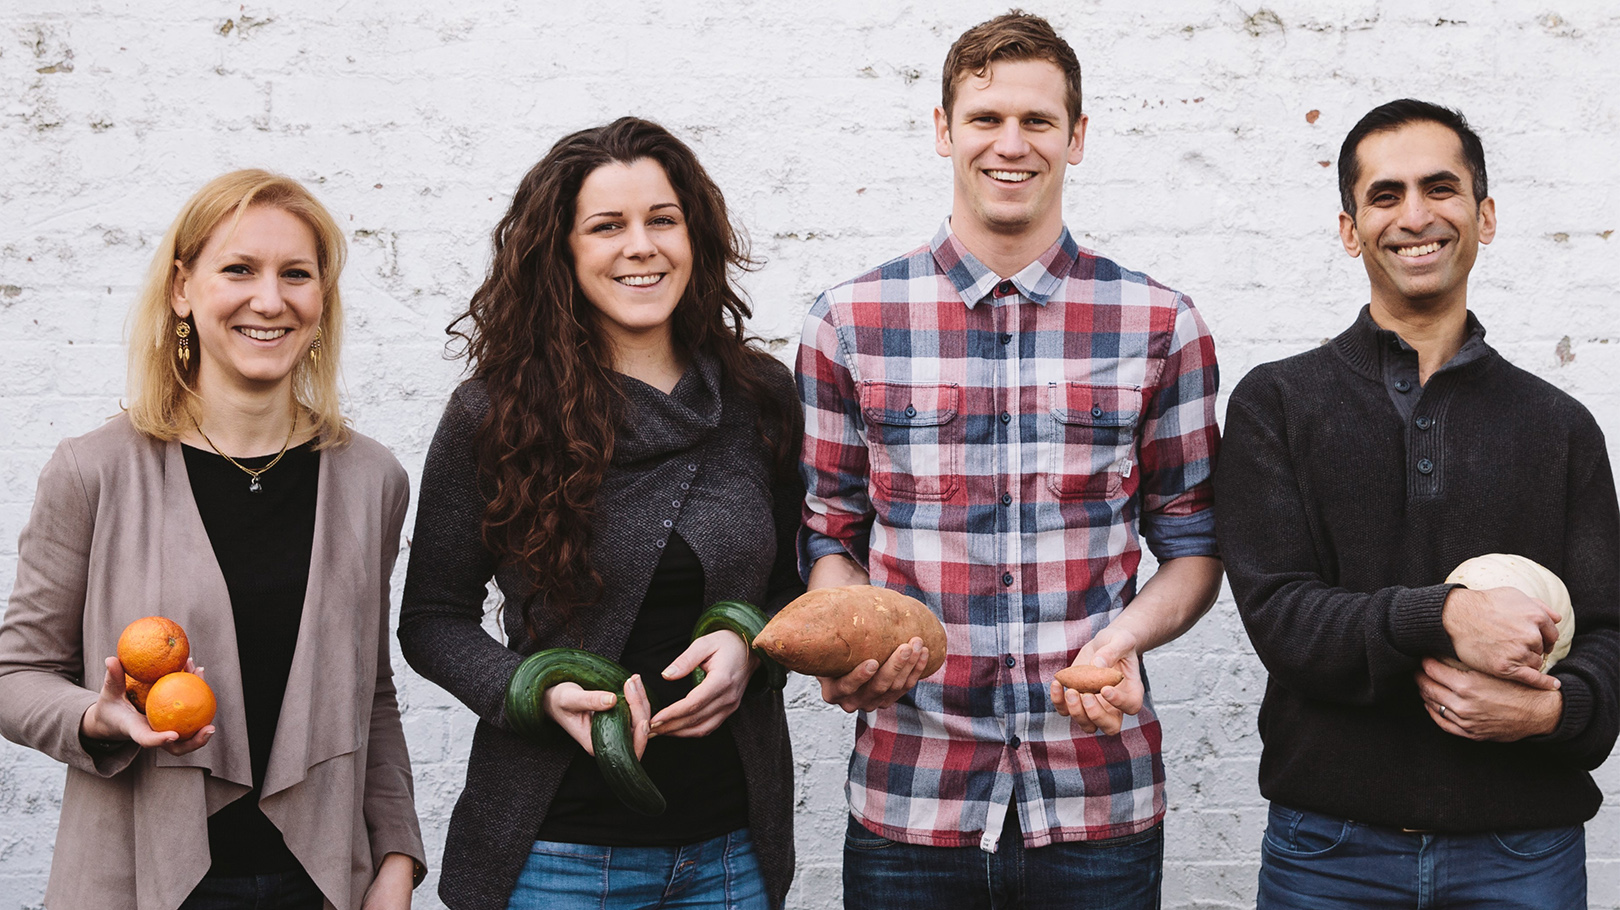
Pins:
<point x="748" y="621"/>
<point x="611" y="737"/>
<point x="616" y="757"/>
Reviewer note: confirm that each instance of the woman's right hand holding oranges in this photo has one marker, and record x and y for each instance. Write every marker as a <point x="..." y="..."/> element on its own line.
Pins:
<point x="153" y="694"/>
<point x="113" y="718"/>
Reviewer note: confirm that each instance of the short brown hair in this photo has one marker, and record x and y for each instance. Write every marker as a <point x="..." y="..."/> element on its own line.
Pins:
<point x="1017" y="35"/>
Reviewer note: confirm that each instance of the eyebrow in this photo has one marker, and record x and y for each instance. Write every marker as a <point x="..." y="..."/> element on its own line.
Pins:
<point x="1038" y="113"/>
<point x="1378" y="186"/>
<point x="249" y="257"/>
<point x="661" y="205"/>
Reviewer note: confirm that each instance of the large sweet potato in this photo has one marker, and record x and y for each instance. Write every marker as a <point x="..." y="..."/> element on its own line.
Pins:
<point x="831" y="631"/>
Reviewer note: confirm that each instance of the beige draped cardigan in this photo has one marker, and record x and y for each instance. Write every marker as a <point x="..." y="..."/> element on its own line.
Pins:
<point x="115" y="535"/>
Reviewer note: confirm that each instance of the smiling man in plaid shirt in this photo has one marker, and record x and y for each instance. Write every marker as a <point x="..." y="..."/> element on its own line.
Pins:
<point x="990" y="422"/>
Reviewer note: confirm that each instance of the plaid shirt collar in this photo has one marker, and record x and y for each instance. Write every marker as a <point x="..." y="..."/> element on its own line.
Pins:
<point x="974" y="280"/>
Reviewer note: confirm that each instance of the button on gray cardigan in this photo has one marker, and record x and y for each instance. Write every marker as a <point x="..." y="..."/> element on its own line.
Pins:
<point x="691" y="462"/>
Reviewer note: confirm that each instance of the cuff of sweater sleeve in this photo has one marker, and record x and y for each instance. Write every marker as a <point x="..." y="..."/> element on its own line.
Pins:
<point x="106" y="758"/>
<point x="1577" y="711"/>
<point x="100" y="757"/>
<point x="1415" y="622"/>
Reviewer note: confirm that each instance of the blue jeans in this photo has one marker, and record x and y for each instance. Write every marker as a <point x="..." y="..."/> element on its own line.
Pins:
<point x="277" y="891"/>
<point x="1121" y="873"/>
<point x="1320" y="862"/>
<point x="722" y="874"/>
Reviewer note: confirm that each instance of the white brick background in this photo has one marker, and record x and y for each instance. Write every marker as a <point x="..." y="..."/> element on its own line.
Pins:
<point x="1207" y="166"/>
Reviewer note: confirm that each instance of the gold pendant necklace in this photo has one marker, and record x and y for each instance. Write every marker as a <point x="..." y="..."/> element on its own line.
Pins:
<point x="253" y="476"/>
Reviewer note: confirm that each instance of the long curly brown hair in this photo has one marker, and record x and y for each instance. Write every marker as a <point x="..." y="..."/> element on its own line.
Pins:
<point x="554" y="398"/>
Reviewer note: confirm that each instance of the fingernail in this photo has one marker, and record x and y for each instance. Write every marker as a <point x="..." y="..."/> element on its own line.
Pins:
<point x="1089" y="700"/>
<point x="609" y="701"/>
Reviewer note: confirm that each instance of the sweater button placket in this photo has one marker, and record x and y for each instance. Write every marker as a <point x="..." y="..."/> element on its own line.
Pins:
<point x="675" y="504"/>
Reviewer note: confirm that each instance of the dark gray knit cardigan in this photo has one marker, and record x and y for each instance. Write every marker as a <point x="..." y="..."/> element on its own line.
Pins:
<point x="691" y="461"/>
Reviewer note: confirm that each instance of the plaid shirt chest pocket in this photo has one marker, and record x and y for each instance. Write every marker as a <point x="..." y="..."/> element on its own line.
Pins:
<point x="1090" y="438"/>
<point x="914" y="438"/>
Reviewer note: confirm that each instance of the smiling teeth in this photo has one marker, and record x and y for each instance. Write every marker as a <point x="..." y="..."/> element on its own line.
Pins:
<point x="638" y="281"/>
<point x="264" y="334"/>
<point x="1412" y="252"/>
<point x="1011" y="176"/>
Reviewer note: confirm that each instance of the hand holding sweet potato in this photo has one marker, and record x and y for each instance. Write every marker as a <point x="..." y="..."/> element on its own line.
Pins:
<point x="1089" y="679"/>
<point x="831" y="631"/>
<point x="1077" y="690"/>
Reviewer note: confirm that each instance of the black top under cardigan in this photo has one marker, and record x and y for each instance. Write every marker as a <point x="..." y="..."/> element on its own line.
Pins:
<point x="263" y="542"/>
<point x="1339" y="521"/>
<point x="691" y="461"/>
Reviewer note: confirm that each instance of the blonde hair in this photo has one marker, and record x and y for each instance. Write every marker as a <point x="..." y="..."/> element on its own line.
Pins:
<point x="160" y="387"/>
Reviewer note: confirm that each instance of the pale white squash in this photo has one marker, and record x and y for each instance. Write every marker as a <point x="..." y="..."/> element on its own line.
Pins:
<point x="1504" y="570"/>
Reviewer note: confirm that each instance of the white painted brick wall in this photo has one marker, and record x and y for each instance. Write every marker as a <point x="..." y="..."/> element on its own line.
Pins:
<point x="414" y="119"/>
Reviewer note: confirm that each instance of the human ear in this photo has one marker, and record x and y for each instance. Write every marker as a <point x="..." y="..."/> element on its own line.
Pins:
<point x="1077" y="141"/>
<point x="942" y="132"/>
<point x="1348" y="236"/>
<point x="1487" y="220"/>
<point x="177" y="290"/>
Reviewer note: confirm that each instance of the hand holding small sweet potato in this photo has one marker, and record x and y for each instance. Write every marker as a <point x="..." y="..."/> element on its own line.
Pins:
<point x="1089" y="679"/>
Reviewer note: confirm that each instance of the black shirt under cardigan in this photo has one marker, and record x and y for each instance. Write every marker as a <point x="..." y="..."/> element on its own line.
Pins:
<point x="1339" y="518"/>
<point x="691" y="462"/>
<point x="263" y="543"/>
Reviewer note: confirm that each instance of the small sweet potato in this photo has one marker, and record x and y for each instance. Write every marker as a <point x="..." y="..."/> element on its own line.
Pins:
<point x="831" y="631"/>
<point x="1089" y="679"/>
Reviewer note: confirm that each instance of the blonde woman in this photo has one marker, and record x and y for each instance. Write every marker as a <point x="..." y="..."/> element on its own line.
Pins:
<point x="233" y="499"/>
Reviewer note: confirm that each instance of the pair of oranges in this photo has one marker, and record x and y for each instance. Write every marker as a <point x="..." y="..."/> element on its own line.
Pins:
<point x="154" y="651"/>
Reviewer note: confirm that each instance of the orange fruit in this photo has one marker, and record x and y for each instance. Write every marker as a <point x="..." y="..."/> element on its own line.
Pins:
<point x="152" y="648"/>
<point x="181" y="702"/>
<point x="136" y="691"/>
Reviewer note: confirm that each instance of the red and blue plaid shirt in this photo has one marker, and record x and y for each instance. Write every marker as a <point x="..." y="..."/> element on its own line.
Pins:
<point x="991" y="447"/>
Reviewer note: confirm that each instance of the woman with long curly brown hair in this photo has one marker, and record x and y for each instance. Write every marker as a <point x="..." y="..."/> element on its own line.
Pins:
<point x="620" y="459"/>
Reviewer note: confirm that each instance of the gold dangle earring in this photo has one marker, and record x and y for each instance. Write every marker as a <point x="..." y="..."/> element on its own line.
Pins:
<point x="182" y="330"/>
<point x="315" y="349"/>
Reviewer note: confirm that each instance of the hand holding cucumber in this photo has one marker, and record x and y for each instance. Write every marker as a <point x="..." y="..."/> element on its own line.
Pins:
<point x="573" y="707"/>
<point x="577" y="690"/>
<point x="727" y="663"/>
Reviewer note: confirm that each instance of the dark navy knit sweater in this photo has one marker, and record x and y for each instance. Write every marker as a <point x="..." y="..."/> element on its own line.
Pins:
<point x="1339" y="517"/>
